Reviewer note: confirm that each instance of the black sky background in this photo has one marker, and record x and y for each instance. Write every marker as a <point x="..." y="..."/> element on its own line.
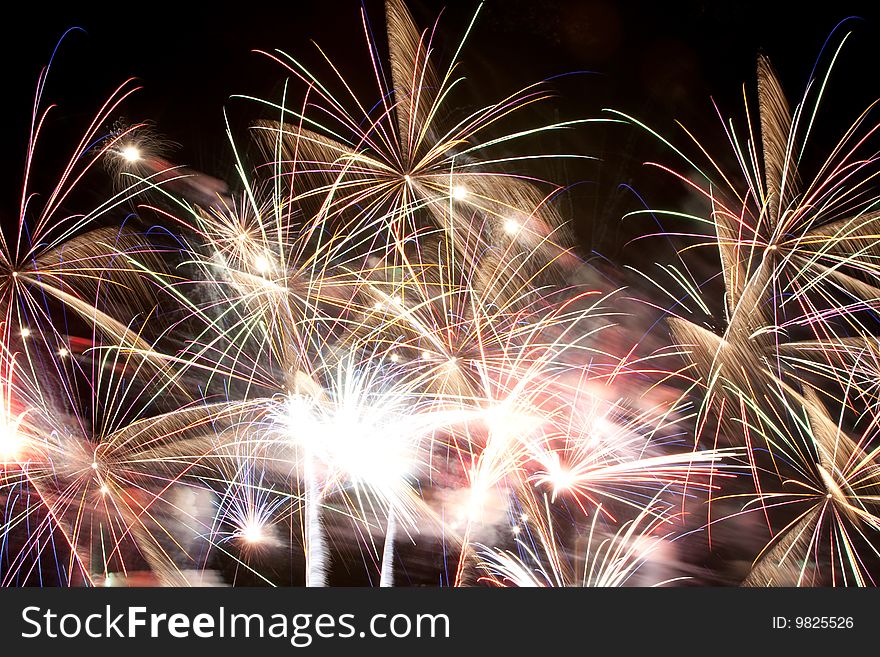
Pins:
<point x="659" y="61"/>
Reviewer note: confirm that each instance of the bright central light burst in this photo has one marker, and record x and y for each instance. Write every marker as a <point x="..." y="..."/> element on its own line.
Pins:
<point x="511" y="226"/>
<point x="459" y="192"/>
<point x="262" y="264"/>
<point x="11" y="444"/>
<point x="253" y="532"/>
<point x="131" y="154"/>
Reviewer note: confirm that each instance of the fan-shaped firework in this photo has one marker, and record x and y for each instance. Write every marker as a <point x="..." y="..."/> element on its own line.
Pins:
<point x="798" y="267"/>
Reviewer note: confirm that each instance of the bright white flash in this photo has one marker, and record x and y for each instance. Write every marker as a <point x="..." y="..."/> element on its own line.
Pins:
<point x="560" y="477"/>
<point x="131" y="154"/>
<point x="262" y="264"/>
<point x="511" y="226"/>
<point x="11" y="444"/>
<point x="356" y="432"/>
<point x="252" y="532"/>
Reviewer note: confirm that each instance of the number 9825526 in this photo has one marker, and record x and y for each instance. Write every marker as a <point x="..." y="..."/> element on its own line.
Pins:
<point x="823" y="622"/>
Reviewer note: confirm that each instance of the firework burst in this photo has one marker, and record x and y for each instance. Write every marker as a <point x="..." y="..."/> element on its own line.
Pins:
<point x="380" y="345"/>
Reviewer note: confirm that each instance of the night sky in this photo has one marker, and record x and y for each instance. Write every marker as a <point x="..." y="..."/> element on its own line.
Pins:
<point x="657" y="61"/>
